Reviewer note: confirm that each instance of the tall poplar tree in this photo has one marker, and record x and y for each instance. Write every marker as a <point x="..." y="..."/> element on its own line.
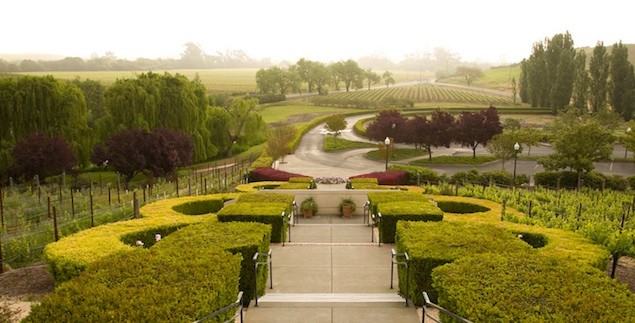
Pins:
<point x="581" y="83"/>
<point x="599" y="73"/>
<point x="621" y="82"/>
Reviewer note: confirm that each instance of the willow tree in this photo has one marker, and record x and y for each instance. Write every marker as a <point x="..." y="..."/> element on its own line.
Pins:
<point x="153" y="100"/>
<point x="45" y="105"/>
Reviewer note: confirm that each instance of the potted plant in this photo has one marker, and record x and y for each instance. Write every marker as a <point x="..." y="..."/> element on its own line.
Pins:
<point x="347" y="207"/>
<point x="309" y="207"/>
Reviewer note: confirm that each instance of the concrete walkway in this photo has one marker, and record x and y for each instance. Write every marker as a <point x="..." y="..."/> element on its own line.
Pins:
<point x="331" y="272"/>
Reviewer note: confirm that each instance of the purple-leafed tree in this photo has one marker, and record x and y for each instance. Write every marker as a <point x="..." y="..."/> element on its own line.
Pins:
<point x="166" y="150"/>
<point x="383" y="126"/>
<point x="125" y="151"/>
<point x="473" y="129"/>
<point x="41" y="155"/>
<point x="442" y="129"/>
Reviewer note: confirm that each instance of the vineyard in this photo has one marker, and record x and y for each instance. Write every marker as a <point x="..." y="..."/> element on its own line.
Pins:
<point x="422" y="94"/>
<point x="34" y="215"/>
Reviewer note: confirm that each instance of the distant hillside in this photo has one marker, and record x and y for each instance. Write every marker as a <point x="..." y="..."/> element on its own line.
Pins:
<point x="35" y="57"/>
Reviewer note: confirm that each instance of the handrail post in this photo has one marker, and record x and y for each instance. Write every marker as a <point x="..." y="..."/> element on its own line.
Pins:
<point x="294" y="207"/>
<point x="405" y="263"/>
<point x="427" y="303"/>
<point x="367" y="213"/>
<point x="258" y="263"/>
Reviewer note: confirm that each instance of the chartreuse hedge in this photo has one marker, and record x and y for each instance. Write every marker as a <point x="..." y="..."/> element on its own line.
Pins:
<point x="404" y="211"/>
<point x="266" y="198"/>
<point x="72" y="254"/>
<point x="268" y="213"/>
<point x="433" y="244"/>
<point x="557" y="243"/>
<point x="144" y="285"/>
<point x="256" y="186"/>
<point x="244" y="238"/>
<point x="461" y="207"/>
<point x="376" y="198"/>
<point x="531" y="288"/>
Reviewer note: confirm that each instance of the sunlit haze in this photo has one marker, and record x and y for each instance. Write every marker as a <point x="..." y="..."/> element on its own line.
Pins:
<point x="328" y="30"/>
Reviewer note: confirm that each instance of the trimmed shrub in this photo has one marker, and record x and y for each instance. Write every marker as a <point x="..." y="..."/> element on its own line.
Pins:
<point x="461" y="207"/>
<point x="70" y="255"/>
<point x="145" y="286"/>
<point x="299" y="183"/>
<point x="266" y="198"/>
<point x="199" y="207"/>
<point x="530" y="288"/>
<point x="270" y="174"/>
<point x="465" y="177"/>
<point x="417" y="175"/>
<point x="502" y="178"/>
<point x="263" y="161"/>
<point x="391" y="177"/>
<point x="432" y="244"/>
<point x="363" y="184"/>
<point x="616" y="183"/>
<point x="569" y="180"/>
<point x="268" y="213"/>
<point x="393" y="212"/>
<point x="236" y="237"/>
<point x="535" y="240"/>
<point x="631" y="182"/>
<point x="257" y="186"/>
<point x="376" y="198"/>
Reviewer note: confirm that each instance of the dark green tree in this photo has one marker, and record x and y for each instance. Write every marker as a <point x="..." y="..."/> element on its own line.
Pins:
<point x="599" y="73"/>
<point x="371" y="77"/>
<point x="336" y="123"/>
<point x="388" y="78"/>
<point x="523" y="83"/>
<point x="621" y="82"/>
<point x="561" y="71"/>
<point x="581" y="85"/>
<point x="351" y="74"/>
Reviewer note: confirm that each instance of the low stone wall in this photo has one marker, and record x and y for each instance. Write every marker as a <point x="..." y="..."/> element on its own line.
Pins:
<point x="328" y="200"/>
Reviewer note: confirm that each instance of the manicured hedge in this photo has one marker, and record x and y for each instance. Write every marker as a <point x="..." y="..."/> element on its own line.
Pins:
<point x="432" y="244"/>
<point x="200" y="207"/>
<point x="266" y="198"/>
<point x="393" y="212"/>
<point x="376" y="198"/>
<point x="257" y="186"/>
<point x="461" y="207"/>
<point x="145" y="286"/>
<point x="569" y="180"/>
<point x="362" y="183"/>
<point x="72" y="254"/>
<point x="531" y="288"/>
<point x="244" y="238"/>
<point x="262" y="162"/>
<point x="391" y="177"/>
<point x="268" y="213"/>
<point x="417" y="175"/>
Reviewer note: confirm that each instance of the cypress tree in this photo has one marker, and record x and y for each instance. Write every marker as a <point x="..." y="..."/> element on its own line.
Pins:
<point x="599" y="73"/>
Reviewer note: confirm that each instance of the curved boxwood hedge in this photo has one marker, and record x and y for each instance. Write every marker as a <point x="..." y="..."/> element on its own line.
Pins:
<point x="256" y="186"/>
<point x="244" y="238"/>
<point x="531" y="288"/>
<point x="70" y="255"/>
<point x="200" y="207"/>
<point x="376" y="198"/>
<point x="266" y="198"/>
<point x="145" y="286"/>
<point x="393" y="212"/>
<point x="432" y="244"/>
<point x="461" y="207"/>
<point x="268" y="213"/>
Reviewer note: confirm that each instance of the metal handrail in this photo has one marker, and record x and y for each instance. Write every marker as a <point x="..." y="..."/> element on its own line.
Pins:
<point x="427" y="303"/>
<point x="286" y="218"/>
<point x="238" y="304"/>
<point x="405" y="262"/>
<point x="376" y="218"/>
<point x="258" y="263"/>
<point x="294" y="209"/>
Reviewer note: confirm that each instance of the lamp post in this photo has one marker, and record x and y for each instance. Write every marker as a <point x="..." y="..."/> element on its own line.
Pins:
<point x="628" y="132"/>
<point x="516" y="149"/>
<point x="387" y="144"/>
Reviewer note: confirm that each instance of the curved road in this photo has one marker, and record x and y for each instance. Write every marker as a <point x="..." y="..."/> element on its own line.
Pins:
<point x="309" y="158"/>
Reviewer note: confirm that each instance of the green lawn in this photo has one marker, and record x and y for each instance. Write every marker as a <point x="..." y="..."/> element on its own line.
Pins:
<point x="296" y="113"/>
<point x="336" y="144"/>
<point x="498" y="78"/>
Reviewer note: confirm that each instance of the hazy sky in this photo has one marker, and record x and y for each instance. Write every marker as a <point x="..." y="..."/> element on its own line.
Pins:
<point x="486" y="30"/>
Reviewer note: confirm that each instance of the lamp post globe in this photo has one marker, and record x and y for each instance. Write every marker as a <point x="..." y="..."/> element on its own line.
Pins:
<point x="516" y="149"/>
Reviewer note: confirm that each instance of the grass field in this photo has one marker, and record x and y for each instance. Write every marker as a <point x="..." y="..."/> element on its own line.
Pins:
<point x="216" y="80"/>
<point x="497" y="78"/>
<point x="294" y="114"/>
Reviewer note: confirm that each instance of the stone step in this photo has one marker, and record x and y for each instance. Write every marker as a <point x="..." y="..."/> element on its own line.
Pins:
<point x="323" y="300"/>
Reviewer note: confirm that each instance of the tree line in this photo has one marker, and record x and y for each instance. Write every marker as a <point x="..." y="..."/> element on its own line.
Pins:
<point x="40" y="111"/>
<point x="319" y="77"/>
<point x="557" y="75"/>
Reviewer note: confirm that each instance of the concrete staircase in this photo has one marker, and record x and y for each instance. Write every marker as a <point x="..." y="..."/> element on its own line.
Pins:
<point x="356" y="300"/>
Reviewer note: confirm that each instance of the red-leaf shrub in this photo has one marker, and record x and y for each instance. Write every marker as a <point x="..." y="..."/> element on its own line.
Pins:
<point x="264" y="174"/>
<point x="391" y="177"/>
